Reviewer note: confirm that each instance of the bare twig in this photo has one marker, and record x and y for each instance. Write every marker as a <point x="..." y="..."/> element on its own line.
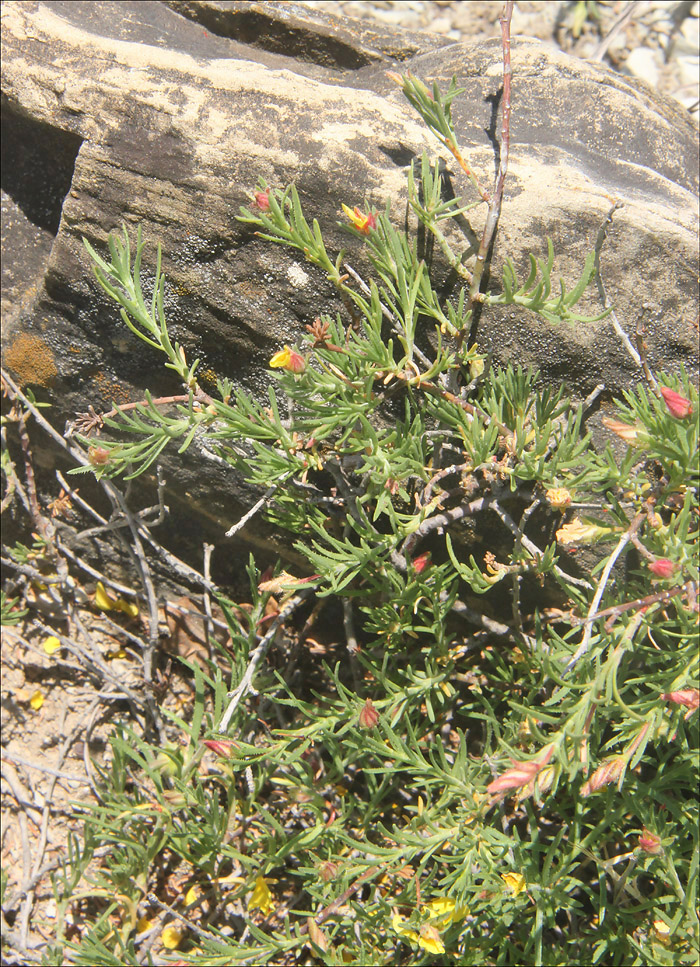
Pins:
<point x="494" y="205"/>
<point x="256" y="657"/>
<point x="600" y="51"/>
<point x="252" y="512"/>
<point x="209" y="623"/>
<point x="11" y="757"/>
<point x="600" y="590"/>
<point x="600" y="241"/>
<point x="681" y="590"/>
<point x="642" y="350"/>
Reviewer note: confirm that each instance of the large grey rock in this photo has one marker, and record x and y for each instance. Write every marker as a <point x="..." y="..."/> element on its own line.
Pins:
<point x="167" y="114"/>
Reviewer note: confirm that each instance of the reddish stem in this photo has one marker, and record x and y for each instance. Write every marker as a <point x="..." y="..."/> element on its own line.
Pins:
<point x="494" y="209"/>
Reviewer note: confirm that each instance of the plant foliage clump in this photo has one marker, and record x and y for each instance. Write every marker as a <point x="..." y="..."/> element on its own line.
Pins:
<point x="501" y="766"/>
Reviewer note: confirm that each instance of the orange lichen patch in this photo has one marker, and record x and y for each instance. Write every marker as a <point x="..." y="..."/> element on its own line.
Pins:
<point x="31" y="360"/>
<point x="109" y="390"/>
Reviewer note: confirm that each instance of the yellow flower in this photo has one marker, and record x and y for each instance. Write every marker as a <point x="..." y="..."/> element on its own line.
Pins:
<point x="515" y="882"/>
<point x="397" y="924"/>
<point x="662" y="930"/>
<point x="429" y="939"/>
<point x="577" y="531"/>
<point x="105" y="602"/>
<point x="559" y="497"/>
<point x="363" y="223"/>
<point x="261" y="898"/>
<point x="192" y="894"/>
<point x="51" y="645"/>
<point x="172" y="936"/>
<point x="36" y="701"/>
<point x="288" y="359"/>
<point x="445" y="911"/>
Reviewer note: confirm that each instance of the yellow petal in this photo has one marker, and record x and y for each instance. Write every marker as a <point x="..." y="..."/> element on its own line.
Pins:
<point x="398" y="924"/>
<point x="281" y="359"/>
<point x="515" y="882"/>
<point x="103" y="600"/>
<point x="261" y="898"/>
<point x="51" y="645"/>
<point x="430" y="940"/>
<point x="440" y="906"/>
<point x="128" y="607"/>
<point x="36" y="701"/>
<point x="172" y="936"/>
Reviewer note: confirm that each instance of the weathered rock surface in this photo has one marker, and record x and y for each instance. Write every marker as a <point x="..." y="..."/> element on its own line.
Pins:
<point x="167" y="114"/>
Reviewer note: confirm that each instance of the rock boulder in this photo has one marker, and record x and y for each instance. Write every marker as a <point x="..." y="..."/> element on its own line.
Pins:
<point x="167" y="114"/>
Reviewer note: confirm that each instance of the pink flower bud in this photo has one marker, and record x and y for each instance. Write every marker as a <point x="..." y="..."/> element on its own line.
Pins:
<point x="650" y="843"/>
<point x="521" y="774"/>
<point x="690" y="697"/>
<point x="262" y="200"/>
<point x="369" y="716"/>
<point x="609" y="771"/>
<point x="662" y="567"/>
<point x="626" y="432"/>
<point x="678" y="406"/>
<point x="98" y="456"/>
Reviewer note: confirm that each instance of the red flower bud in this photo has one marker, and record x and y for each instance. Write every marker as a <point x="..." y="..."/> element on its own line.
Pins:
<point x="662" y="567"/>
<point x="222" y="749"/>
<point x="678" y="405"/>
<point x="421" y="561"/>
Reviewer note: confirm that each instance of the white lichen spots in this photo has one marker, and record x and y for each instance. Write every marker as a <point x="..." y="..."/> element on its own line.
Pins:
<point x="297" y="276"/>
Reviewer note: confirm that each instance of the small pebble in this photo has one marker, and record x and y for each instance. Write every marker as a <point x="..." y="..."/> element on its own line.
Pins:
<point x="642" y="63"/>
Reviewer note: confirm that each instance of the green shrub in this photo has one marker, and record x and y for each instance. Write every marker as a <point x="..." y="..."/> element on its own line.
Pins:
<point x="501" y="767"/>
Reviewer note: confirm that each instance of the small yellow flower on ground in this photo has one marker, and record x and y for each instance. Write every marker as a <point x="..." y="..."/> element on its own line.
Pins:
<point x="558" y="497"/>
<point x="36" y="701"/>
<point x="51" y="645"/>
<point x="105" y="602"/>
<point x="172" y="935"/>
